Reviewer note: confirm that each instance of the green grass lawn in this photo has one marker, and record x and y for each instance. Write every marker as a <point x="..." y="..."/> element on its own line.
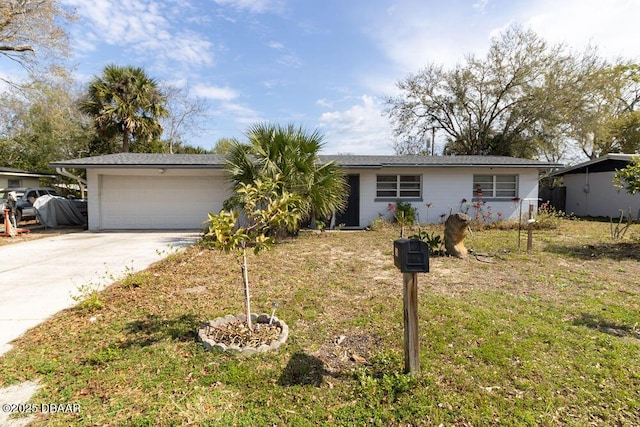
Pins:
<point x="547" y="338"/>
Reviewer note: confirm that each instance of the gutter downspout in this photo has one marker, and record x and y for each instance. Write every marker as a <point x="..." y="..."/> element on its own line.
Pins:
<point x="81" y="181"/>
<point x="587" y="190"/>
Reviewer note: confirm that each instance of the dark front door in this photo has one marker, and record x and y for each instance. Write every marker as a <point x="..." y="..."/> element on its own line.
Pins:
<point x="351" y="216"/>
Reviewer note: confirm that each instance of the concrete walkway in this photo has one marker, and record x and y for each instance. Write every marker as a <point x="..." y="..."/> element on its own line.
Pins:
<point x="38" y="277"/>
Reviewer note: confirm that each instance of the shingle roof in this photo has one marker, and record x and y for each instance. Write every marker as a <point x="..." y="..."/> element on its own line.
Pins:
<point x="214" y="161"/>
<point x="349" y="161"/>
<point x="146" y="160"/>
<point x="18" y="172"/>
<point x="607" y="163"/>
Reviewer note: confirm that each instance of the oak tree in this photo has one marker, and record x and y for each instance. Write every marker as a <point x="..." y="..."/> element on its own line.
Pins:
<point x="483" y="105"/>
<point x="524" y="98"/>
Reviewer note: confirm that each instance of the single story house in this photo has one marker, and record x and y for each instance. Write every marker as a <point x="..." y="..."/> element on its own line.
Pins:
<point x="15" y="178"/>
<point x="176" y="191"/>
<point x="590" y="190"/>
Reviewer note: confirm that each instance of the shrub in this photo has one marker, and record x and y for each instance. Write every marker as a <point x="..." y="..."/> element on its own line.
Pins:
<point x="380" y="223"/>
<point x="434" y="241"/>
<point x="549" y="217"/>
<point x="404" y="213"/>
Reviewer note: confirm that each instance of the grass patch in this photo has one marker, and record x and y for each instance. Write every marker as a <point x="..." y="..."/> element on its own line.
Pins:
<point x="547" y="338"/>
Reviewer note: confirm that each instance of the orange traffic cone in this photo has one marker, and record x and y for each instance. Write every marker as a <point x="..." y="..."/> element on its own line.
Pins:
<point x="9" y="229"/>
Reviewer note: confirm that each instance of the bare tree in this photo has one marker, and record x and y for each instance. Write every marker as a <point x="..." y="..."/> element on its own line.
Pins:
<point x="30" y="31"/>
<point x="184" y="118"/>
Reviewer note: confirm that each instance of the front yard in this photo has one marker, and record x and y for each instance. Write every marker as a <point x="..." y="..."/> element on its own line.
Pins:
<point x="547" y="338"/>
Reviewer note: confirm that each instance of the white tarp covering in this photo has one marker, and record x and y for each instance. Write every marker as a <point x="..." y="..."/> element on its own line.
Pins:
<point x="54" y="211"/>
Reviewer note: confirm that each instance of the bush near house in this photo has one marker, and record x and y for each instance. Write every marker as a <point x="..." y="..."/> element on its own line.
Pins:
<point x="291" y="155"/>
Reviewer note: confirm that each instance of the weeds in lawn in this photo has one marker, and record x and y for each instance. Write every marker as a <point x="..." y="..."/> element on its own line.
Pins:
<point x="550" y="218"/>
<point x="380" y="224"/>
<point x="382" y="381"/>
<point x="135" y="280"/>
<point x="620" y="230"/>
<point x="383" y="388"/>
<point x="545" y="338"/>
<point x="88" y="297"/>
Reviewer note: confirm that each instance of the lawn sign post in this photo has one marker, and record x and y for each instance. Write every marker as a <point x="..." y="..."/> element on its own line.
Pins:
<point x="530" y="223"/>
<point x="411" y="256"/>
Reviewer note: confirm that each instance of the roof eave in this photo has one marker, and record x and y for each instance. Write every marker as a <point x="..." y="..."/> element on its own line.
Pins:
<point x="606" y="157"/>
<point x="28" y="174"/>
<point x="135" y="166"/>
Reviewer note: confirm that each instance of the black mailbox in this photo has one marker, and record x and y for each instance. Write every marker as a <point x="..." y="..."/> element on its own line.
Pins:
<point x="411" y="255"/>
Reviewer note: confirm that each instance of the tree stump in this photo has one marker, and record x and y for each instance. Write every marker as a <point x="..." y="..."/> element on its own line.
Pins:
<point x="455" y="230"/>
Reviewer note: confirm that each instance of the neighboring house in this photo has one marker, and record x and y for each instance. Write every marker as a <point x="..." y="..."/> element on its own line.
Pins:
<point x="14" y="178"/>
<point x="590" y="190"/>
<point x="164" y="191"/>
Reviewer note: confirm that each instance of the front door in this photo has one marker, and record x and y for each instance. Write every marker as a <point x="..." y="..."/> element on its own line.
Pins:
<point x="351" y="216"/>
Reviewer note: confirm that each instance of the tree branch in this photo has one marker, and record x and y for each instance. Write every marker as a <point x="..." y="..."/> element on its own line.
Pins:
<point x="21" y="48"/>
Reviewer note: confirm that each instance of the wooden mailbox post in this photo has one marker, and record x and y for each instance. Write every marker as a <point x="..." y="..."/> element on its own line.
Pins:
<point x="411" y="257"/>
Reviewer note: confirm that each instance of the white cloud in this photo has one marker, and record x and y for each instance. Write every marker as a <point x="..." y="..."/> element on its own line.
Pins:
<point x="215" y="92"/>
<point x="413" y="33"/>
<point x="610" y="25"/>
<point x="185" y="48"/>
<point x="480" y="5"/>
<point x="253" y="6"/>
<point x="290" y="60"/>
<point x="149" y="28"/>
<point x="360" y="129"/>
<point x="245" y="116"/>
<point x="288" y="57"/>
<point x="324" y="103"/>
<point x="273" y="83"/>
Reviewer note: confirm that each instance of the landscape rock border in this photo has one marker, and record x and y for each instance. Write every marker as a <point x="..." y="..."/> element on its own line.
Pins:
<point x="247" y="350"/>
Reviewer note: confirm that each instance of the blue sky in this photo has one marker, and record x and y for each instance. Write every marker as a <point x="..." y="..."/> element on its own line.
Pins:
<point x="321" y="64"/>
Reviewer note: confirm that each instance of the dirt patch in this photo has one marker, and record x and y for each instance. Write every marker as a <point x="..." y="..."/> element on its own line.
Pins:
<point x="37" y="231"/>
<point x="345" y="352"/>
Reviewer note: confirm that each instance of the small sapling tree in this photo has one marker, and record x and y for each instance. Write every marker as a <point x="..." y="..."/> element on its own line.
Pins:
<point x="266" y="208"/>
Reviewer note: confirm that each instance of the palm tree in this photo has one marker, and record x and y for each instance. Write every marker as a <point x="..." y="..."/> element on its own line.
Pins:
<point x="291" y="154"/>
<point x="125" y="101"/>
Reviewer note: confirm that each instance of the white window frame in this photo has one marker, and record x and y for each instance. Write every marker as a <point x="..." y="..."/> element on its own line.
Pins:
<point x="404" y="187"/>
<point x="495" y="187"/>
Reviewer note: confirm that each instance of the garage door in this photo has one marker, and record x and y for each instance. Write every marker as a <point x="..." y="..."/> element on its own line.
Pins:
<point x="145" y="202"/>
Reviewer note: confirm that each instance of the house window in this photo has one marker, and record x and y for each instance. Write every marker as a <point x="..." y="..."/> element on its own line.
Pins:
<point x="495" y="186"/>
<point x="399" y="186"/>
<point x="14" y="183"/>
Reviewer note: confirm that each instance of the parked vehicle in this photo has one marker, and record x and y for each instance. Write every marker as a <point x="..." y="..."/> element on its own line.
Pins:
<point x="25" y="198"/>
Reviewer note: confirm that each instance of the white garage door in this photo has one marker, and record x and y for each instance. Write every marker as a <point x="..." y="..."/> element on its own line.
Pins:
<point x="159" y="202"/>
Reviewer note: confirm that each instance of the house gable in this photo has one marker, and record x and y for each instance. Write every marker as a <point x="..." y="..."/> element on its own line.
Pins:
<point x="590" y="190"/>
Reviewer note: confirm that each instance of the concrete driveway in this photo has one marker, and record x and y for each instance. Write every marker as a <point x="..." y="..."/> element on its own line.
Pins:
<point x="38" y="277"/>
